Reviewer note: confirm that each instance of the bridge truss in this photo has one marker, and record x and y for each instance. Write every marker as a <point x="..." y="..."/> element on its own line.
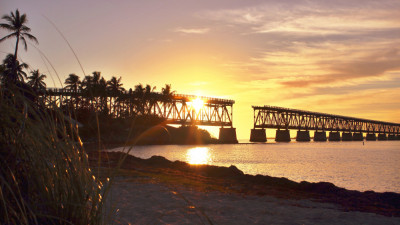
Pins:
<point x="284" y="118"/>
<point x="174" y="108"/>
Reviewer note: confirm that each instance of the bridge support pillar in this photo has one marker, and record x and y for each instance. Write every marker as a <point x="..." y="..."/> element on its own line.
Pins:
<point x="358" y="137"/>
<point x="303" y="135"/>
<point x="258" y="135"/>
<point x="282" y="136"/>
<point x="392" y="137"/>
<point x="347" y="136"/>
<point x="227" y="135"/>
<point x="334" y="136"/>
<point x="319" y="136"/>
<point x="382" y="137"/>
<point x="370" y="137"/>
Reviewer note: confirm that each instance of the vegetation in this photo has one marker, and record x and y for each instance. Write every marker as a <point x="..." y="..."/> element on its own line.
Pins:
<point x="44" y="172"/>
<point x="16" y="24"/>
<point x="45" y="176"/>
<point x="36" y="81"/>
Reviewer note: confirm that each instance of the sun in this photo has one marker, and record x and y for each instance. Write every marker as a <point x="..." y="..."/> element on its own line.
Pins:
<point x="197" y="104"/>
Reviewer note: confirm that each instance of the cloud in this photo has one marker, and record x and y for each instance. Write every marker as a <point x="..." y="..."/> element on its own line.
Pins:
<point x="192" y="30"/>
<point x="309" y="18"/>
<point x="352" y="71"/>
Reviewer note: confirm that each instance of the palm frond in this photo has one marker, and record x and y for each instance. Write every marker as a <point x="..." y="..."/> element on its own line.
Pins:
<point x="23" y="19"/>
<point x="8" y="36"/>
<point x="24" y="42"/>
<point x="6" y="26"/>
<point x="24" y="28"/>
<point x="8" y="18"/>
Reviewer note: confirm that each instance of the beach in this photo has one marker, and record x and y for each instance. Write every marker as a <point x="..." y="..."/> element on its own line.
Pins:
<point x="159" y="191"/>
<point x="151" y="202"/>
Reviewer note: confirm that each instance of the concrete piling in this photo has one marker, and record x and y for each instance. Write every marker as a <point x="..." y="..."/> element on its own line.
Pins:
<point x="258" y="135"/>
<point x="370" y="137"/>
<point x="334" y="136"/>
<point x="347" y="136"/>
<point x="228" y="135"/>
<point x="358" y="136"/>
<point x="392" y="137"/>
<point x="382" y="137"/>
<point x="303" y="136"/>
<point x="282" y="136"/>
<point x="319" y="136"/>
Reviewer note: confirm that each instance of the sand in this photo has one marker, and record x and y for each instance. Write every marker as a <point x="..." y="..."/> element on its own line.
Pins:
<point x="139" y="201"/>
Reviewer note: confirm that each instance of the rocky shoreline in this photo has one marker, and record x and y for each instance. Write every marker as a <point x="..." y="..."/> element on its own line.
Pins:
<point x="232" y="180"/>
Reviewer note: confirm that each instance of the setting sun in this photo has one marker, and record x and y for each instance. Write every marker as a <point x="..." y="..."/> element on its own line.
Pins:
<point x="197" y="104"/>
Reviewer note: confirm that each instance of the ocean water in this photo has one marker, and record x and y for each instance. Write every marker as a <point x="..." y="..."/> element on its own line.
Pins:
<point x="372" y="165"/>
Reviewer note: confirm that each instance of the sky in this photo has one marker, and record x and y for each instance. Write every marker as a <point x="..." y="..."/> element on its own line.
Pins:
<point x="336" y="56"/>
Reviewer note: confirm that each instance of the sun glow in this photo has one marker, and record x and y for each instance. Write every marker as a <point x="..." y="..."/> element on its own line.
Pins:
<point x="197" y="104"/>
<point x="198" y="155"/>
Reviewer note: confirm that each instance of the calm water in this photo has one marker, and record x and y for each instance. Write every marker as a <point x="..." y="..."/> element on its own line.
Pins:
<point x="352" y="165"/>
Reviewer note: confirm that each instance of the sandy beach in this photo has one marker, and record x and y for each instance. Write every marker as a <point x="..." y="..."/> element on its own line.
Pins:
<point x="151" y="202"/>
<point x="158" y="191"/>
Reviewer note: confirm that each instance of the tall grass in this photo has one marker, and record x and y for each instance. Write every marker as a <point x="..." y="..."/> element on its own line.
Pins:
<point x="44" y="173"/>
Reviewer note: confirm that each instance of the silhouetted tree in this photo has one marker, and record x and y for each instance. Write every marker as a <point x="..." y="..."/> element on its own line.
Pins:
<point x="101" y="90"/>
<point x="167" y="92"/>
<point x="114" y="85"/>
<point x="72" y="82"/>
<point x="149" y="89"/>
<point x="139" y="98"/>
<point x="13" y="71"/>
<point x="16" y="25"/>
<point x="36" y="81"/>
<point x="139" y="90"/>
<point x="149" y="96"/>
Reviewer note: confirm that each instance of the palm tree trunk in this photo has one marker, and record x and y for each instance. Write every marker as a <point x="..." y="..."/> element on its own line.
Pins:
<point x="16" y="47"/>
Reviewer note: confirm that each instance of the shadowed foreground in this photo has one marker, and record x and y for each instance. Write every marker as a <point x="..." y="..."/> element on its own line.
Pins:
<point x="226" y="195"/>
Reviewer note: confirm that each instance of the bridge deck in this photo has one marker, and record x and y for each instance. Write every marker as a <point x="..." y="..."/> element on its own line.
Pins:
<point x="278" y="117"/>
<point x="175" y="108"/>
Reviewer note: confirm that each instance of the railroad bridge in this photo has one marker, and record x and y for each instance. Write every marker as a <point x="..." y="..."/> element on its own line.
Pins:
<point x="284" y="119"/>
<point x="173" y="108"/>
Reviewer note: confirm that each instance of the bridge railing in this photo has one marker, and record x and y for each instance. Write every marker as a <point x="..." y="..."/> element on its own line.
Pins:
<point x="127" y="92"/>
<point x="279" y="117"/>
<point x="215" y="112"/>
<point x="304" y="112"/>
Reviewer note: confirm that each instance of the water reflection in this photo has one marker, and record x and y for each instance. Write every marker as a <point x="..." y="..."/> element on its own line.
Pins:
<point x="198" y="155"/>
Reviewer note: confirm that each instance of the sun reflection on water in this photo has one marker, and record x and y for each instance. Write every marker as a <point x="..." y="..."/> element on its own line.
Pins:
<point x="198" y="155"/>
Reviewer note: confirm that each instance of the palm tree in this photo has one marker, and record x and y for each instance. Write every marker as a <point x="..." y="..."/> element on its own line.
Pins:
<point x="114" y="85"/>
<point x="167" y="93"/>
<point x="36" y="80"/>
<point x="86" y="83"/>
<point x="148" y="96"/>
<point x="90" y="83"/>
<point x="149" y="89"/>
<point x="13" y="71"/>
<point x="139" y="98"/>
<point x="101" y="90"/>
<point x="16" y="25"/>
<point x="139" y="90"/>
<point x="96" y="78"/>
<point x="72" y="82"/>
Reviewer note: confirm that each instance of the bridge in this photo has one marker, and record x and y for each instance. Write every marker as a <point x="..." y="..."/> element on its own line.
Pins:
<point x="172" y="108"/>
<point x="284" y="119"/>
